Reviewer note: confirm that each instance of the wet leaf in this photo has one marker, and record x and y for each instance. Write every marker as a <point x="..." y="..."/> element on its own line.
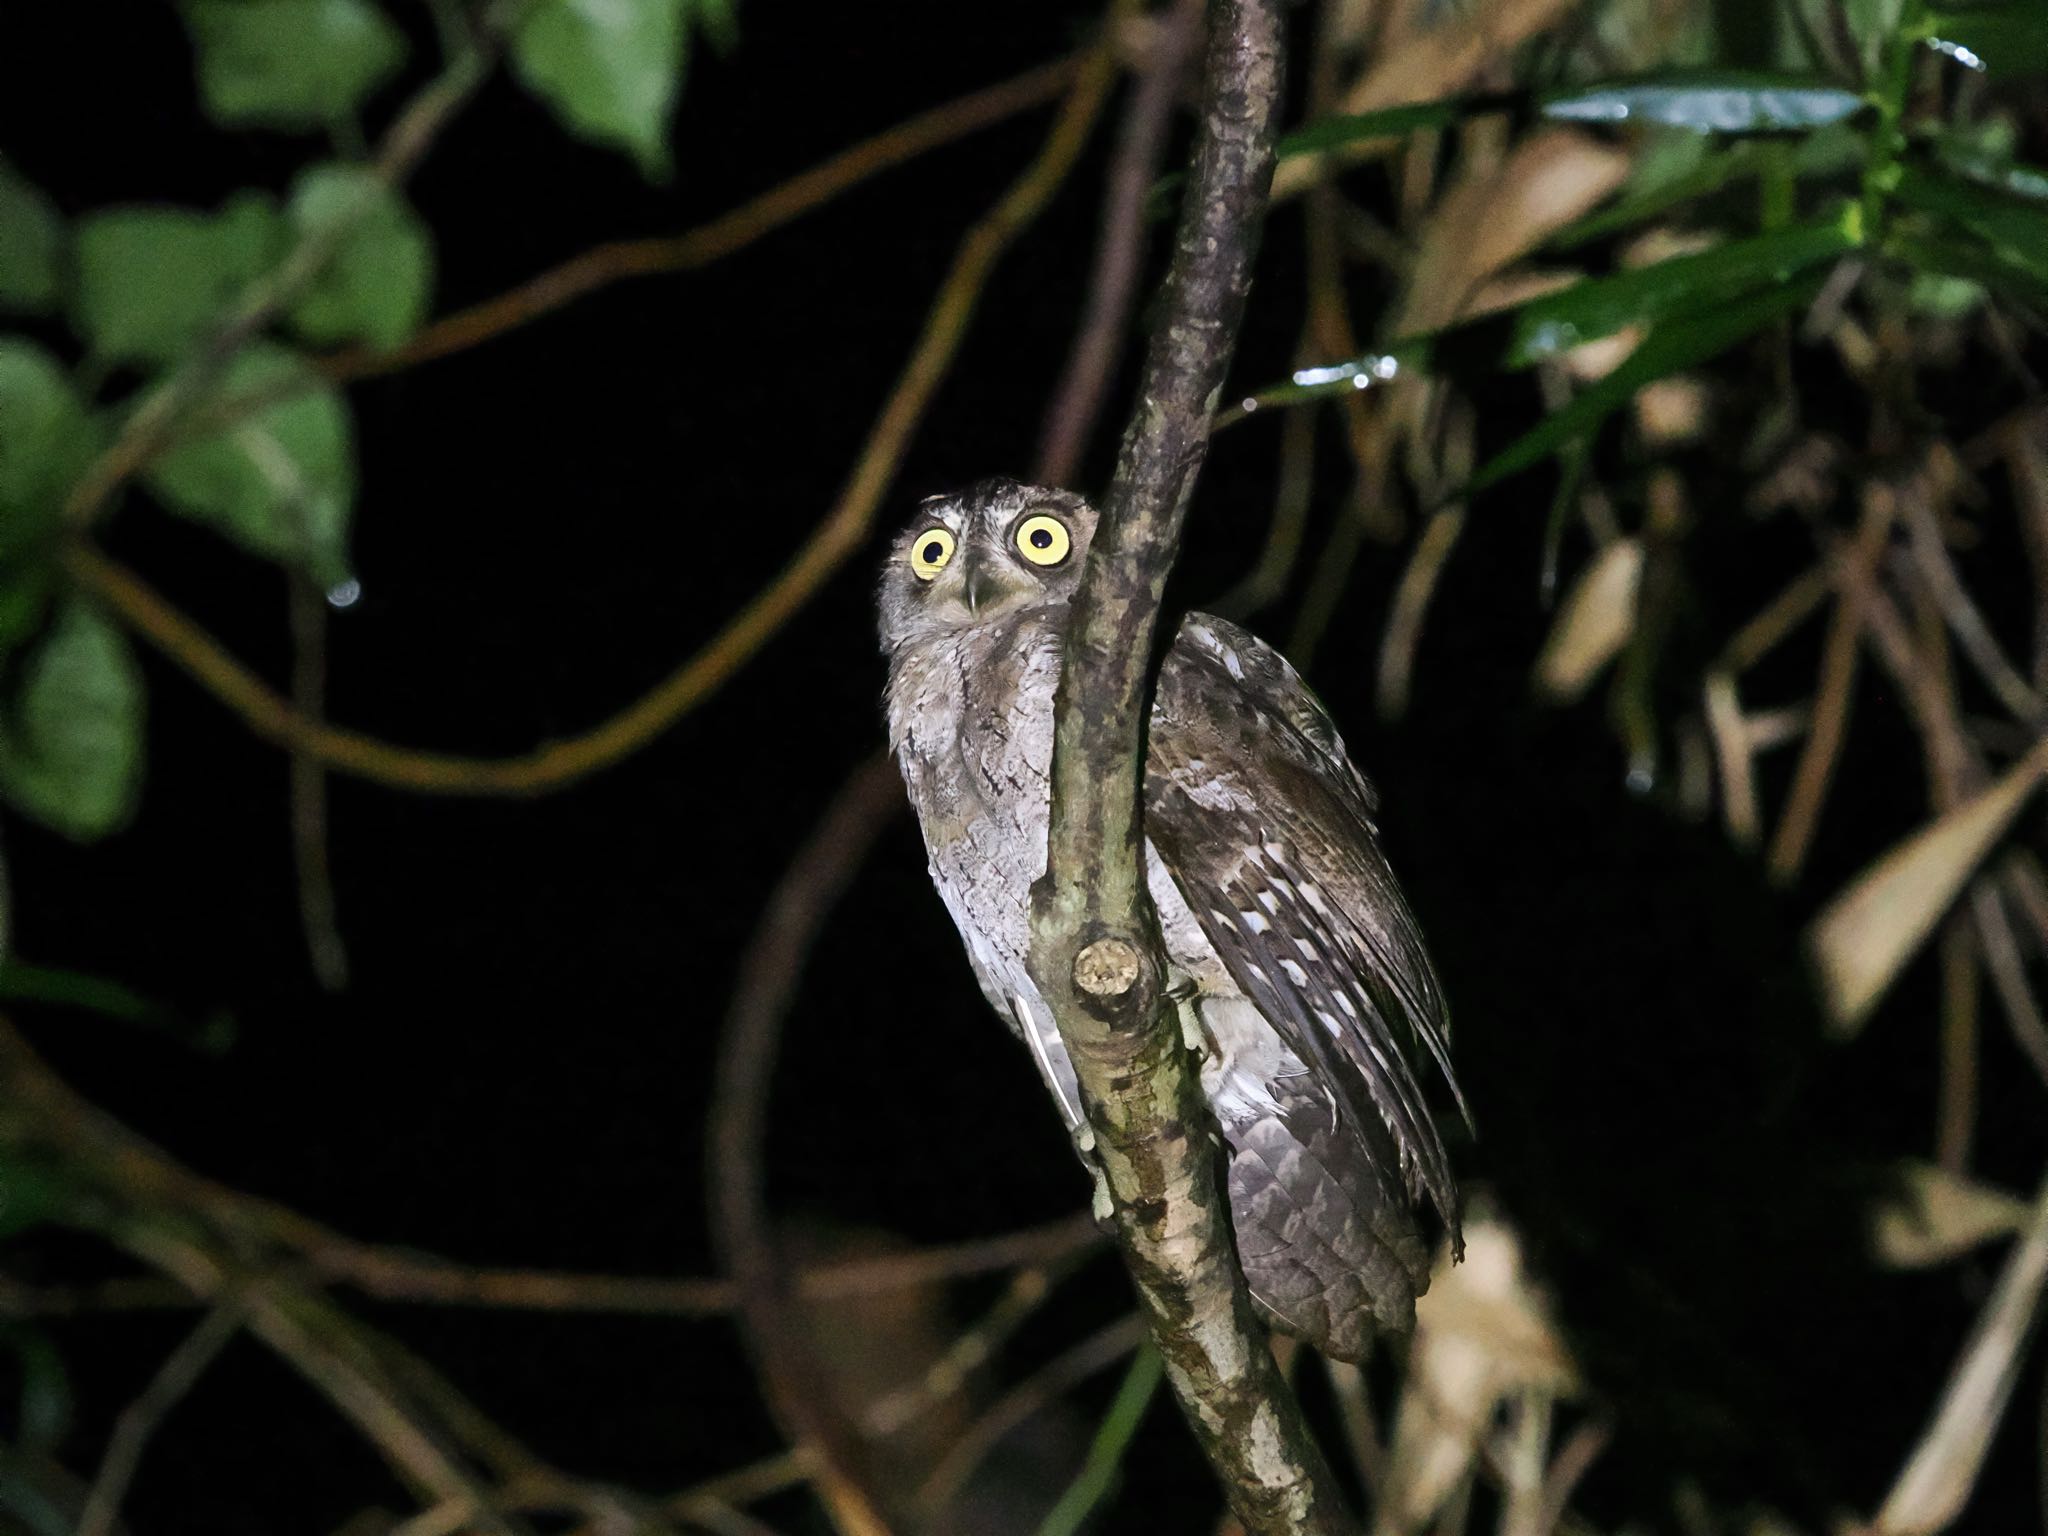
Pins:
<point x="71" y="738"/>
<point x="31" y="245"/>
<point x="1679" y="343"/>
<point x="151" y="281"/>
<point x="1593" y="623"/>
<point x="281" y="481"/>
<point x="290" y="63"/>
<point x="376" y="285"/>
<point x="1870" y="930"/>
<point x="610" y="69"/>
<point x="1710" y="102"/>
<point x="1598" y="307"/>
<point x="2000" y="40"/>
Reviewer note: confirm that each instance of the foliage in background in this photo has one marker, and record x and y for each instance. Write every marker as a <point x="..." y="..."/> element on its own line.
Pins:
<point x="1782" y="248"/>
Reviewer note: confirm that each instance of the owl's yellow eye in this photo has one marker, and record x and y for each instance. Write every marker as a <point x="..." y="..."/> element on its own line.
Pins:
<point x="930" y="552"/>
<point x="1043" y="540"/>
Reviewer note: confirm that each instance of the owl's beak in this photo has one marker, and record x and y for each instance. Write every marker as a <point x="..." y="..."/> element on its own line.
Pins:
<point x="983" y="588"/>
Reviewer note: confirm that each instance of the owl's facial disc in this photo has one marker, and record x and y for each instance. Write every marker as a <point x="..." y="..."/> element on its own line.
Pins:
<point x="984" y="555"/>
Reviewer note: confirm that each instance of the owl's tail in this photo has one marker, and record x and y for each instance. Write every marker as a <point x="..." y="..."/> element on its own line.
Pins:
<point x="1327" y="1240"/>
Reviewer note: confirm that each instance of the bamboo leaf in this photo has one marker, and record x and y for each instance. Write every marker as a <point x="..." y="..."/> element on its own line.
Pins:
<point x="1999" y="40"/>
<point x="1710" y="101"/>
<point x="1866" y="935"/>
<point x="1599" y="307"/>
<point x="1682" y="342"/>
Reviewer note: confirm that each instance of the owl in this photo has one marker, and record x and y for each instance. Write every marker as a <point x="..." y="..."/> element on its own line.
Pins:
<point x="1298" y="966"/>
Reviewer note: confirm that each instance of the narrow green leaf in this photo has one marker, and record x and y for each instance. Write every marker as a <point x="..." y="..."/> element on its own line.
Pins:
<point x="31" y="245"/>
<point x="1644" y="202"/>
<point x="376" y="285"/>
<point x="280" y="482"/>
<point x="1106" y="1452"/>
<point x="47" y="436"/>
<point x="2000" y="40"/>
<point x="1680" y="343"/>
<point x="44" y="1408"/>
<point x="1709" y="101"/>
<point x="610" y="69"/>
<point x="292" y="64"/>
<point x="1388" y="123"/>
<point x="1601" y="306"/>
<point x="71" y="740"/>
<point x="151" y="281"/>
<point x="2016" y="228"/>
<point x="1957" y="255"/>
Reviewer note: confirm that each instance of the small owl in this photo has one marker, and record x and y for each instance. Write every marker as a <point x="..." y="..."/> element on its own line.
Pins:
<point x="1303" y="974"/>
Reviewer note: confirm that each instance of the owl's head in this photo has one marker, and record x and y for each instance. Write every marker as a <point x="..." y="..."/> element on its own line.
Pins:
<point x="992" y="551"/>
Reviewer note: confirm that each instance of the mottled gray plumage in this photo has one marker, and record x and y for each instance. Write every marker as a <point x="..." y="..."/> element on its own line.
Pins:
<point x="1308" y="981"/>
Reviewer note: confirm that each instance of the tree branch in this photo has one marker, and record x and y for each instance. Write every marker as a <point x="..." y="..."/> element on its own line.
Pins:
<point x="1094" y="937"/>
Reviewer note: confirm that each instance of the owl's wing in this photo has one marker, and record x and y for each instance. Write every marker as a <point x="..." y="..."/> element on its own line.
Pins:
<point x="1268" y="830"/>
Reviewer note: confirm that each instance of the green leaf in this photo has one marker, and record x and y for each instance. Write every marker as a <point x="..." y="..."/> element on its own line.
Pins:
<point x="1388" y="123"/>
<point x="1650" y="198"/>
<point x="1681" y="343"/>
<point x="151" y="281"/>
<point x="2000" y="40"/>
<point x="610" y="69"/>
<point x="2014" y="227"/>
<point x="47" y="437"/>
<point x="1600" y="306"/>
<point x="375" y="286"/>
<point x="280" y="481"/>
<point x="1709" y="101"/>
<point x="31" y="245"/>
<point x="71" y="743"/>
<point x="44" y="1410"/>
<point x="290" y="63"/>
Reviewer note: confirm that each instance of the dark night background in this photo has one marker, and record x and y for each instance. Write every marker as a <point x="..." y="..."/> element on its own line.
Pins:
<point x="518" y="1071"/>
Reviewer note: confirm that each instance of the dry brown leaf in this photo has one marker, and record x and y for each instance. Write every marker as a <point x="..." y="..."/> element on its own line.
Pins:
<point x="1936" y="1483"/>
<point x="1593" y="623"/>
<point x="1869" y="931"/>
<point x="1483" y="1333"/>
<point x="1939" y="1216"/>
<point x="1424" y="56"/>
<point x="1487" y="222"/>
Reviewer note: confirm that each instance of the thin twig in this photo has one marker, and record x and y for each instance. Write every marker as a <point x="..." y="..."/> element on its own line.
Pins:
<point x="1119" y="249"/>
<point x="616" y="260"/>
<point x="177" y="1376"/>
<point x="1839" y="653"/>
<point x="318" y="915"/>
<point x="1926" y="556"/>
<point x="1031" y="1396"/>
<point x="796" y="1385"/>
<point x="842" y="531"/>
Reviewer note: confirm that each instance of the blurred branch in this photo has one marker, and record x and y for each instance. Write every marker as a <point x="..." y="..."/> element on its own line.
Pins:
<point x="1042" y="1387"/>
<point x="177" y="1376"/>
<point x="605" y="264"/>
<point x="1839" y="656"/>
<point x="842" y="531"/>
<point x="318" y="917"/>
<point x="1120" y="246"/>
<point x="1094" y="938"/>
<point x="798" y="1387"/>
